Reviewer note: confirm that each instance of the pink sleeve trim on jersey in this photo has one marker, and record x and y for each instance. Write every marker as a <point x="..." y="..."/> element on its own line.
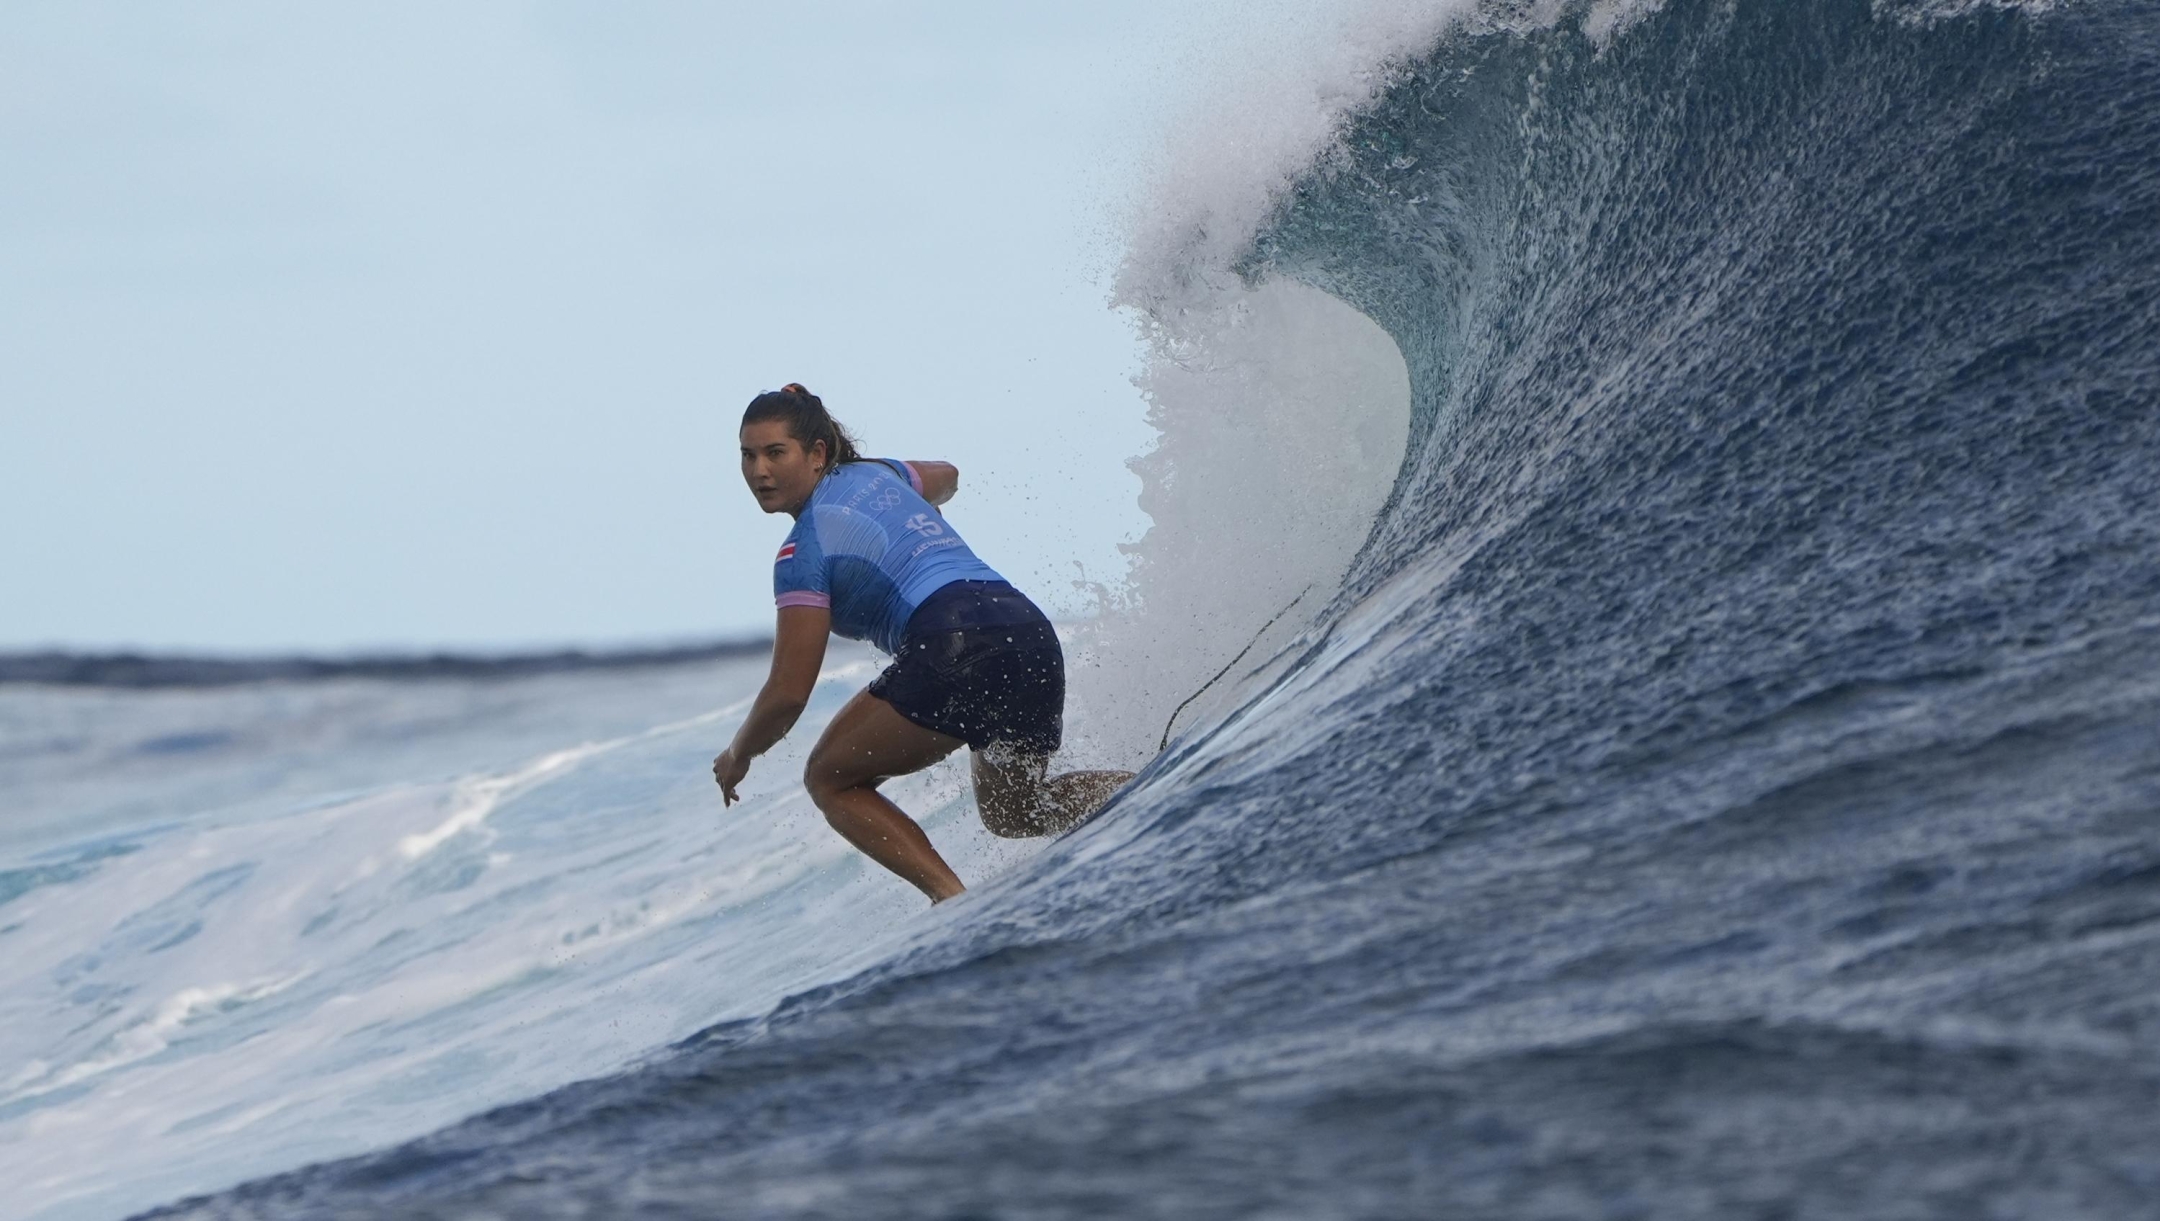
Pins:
<point x="804" y="597"/>
<point x="914" y="476"/>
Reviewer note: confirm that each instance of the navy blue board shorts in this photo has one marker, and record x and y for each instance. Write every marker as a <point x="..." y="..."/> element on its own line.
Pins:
<point x="980" y="663"/>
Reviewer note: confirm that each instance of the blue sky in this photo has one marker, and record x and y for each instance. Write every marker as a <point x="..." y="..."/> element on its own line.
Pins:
<point x="399" y="325"/>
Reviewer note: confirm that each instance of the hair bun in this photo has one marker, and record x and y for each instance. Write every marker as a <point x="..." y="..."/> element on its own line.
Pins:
<point x="807" y="421"/>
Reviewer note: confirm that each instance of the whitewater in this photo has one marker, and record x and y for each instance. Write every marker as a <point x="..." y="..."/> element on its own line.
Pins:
<point x="1670" y="491"/>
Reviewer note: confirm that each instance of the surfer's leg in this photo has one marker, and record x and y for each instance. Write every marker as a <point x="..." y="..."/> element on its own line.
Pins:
<point x="1080" y="794"/>
<point x="1018" y="798"/>
<point x="866" y="744"/>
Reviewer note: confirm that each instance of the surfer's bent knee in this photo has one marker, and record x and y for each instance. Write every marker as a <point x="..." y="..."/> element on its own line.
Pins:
<point x="818" y="779"/>
<point x="1012" y="799"/>
<point x="1000" y="818"/>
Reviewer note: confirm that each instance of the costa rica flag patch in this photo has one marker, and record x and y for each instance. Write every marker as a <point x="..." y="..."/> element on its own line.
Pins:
<point x="787" y="551"/>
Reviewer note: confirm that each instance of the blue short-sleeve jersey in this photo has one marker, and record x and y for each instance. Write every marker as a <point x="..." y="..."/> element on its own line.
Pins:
<point x="869" y="547"/>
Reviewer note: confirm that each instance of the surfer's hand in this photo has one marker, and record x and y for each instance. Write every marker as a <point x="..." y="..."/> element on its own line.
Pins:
<point x="728" y="771"/>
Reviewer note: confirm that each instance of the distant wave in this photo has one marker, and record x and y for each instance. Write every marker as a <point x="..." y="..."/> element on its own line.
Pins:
<point x="139" y="670"/>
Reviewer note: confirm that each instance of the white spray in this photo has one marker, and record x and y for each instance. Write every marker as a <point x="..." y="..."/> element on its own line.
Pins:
<point x="1283" y="412"/>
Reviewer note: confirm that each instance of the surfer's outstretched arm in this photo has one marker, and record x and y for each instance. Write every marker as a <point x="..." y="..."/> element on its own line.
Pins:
<point x="939" y="479"/>
<point x="798" y="654"/>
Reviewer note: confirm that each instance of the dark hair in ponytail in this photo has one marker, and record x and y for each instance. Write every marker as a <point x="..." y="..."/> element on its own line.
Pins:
<point x="807" y="421"/>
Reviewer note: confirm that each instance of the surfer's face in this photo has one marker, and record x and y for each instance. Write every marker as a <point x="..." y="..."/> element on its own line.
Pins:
<point x="780" y="472"/>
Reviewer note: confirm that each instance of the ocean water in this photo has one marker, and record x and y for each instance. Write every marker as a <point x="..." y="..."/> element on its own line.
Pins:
<point x="1674" y="486"/>
<point x="248" y="927"/>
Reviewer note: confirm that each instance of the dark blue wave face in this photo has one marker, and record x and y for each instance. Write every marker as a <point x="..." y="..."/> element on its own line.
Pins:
<point x="1730" y="784"/>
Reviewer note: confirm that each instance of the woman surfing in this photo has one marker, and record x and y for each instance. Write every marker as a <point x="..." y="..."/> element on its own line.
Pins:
<point x="975" y="663"/>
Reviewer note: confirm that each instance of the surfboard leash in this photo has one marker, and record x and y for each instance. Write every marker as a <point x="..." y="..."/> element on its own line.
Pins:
<point x="1165" y="743"/>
